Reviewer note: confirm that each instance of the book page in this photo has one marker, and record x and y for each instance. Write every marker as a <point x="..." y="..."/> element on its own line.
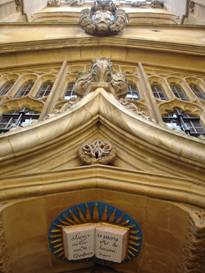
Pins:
<point x="79" y="241"/>
<point x="111" y="242"/>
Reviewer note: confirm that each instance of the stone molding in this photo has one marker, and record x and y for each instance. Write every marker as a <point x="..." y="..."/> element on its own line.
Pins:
<point x="164" y="187"/>
<point x="119" y="42"/>
<point x="102" y="104"/>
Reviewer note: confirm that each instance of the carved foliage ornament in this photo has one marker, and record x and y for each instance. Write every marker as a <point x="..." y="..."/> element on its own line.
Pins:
<point x="101" y="72"/>
<point x="98" y="151"/>
<point x="103" y="19"/>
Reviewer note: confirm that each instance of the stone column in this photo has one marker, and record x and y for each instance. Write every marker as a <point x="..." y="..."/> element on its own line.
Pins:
<point x="55" y="94"/>
<point x="148" y="95"/>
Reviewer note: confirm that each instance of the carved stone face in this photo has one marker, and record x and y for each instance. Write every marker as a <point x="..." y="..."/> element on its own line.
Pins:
<point x="103" y="19"/>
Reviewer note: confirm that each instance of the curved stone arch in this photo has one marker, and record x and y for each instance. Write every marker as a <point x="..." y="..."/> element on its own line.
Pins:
<point x="188" y="107"/>
<point x="161" y="81"/>
<point x="180" y="81"/>
<point x="17" y="104"/>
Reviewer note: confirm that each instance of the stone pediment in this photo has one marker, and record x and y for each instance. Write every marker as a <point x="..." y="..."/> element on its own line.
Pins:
<point x="141" y="144"/>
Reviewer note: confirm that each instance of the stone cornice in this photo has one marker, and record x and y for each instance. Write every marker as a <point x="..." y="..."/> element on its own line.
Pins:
<point x="93" y="41"/>
<point x="103" y="177"/>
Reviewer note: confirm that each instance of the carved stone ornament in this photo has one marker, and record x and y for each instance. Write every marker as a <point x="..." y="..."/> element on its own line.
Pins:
<point x="129" y="105"/>
<point x="101" y="72"/>
<point x="97" y="152"/>
<point x="147" y="4"/>
<point x="157" y="4"/>
<point x="54" y="3"/>
<point x="103" y="19"/>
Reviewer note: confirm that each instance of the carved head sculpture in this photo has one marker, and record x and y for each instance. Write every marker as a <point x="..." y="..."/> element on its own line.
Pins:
<point x="103" y="18"/>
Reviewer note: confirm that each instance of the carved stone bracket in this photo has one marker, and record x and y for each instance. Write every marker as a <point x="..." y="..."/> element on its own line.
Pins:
<point x="103" y="19"/>
<point x="101" y="73"/>
<point x="194" y="250"/>
<point x="97" y="152"/>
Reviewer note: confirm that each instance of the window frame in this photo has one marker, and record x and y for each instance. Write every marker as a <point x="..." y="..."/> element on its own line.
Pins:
<point x="25" y="88"/>
<point x="17" y="118"/>
<point x="44" y="90"/>
<point x="186" y="122"/>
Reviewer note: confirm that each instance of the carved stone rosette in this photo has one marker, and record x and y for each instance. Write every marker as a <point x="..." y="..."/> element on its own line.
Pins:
<point x="101" y="72"/>
<point x="103" y="19"/>
<point x="97" y="152"/>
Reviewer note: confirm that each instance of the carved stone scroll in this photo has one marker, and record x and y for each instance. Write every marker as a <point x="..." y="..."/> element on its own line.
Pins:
<point x="101" y="72"/>
<point x="97" y="152"/>
<point x="103" y="19"/>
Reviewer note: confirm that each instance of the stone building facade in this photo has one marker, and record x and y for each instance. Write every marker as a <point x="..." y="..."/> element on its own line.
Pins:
<point x="115" y="117"/>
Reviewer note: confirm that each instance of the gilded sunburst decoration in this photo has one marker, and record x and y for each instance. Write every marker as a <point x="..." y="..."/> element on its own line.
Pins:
<point x="94" y="212"/>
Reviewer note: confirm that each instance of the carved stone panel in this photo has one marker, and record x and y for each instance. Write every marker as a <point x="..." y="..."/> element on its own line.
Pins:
<point x="103" y="19"/>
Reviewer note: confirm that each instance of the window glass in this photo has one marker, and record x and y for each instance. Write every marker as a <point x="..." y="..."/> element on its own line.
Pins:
<point x="45" y="89"/>
<point x="158" y="91"/>
<point x="21" y="118"/>
<point x="6" y="87"/>
<point x="197" y="91"/>
<point x="133" y="93"/>
<point x="69" y="92"/>
<point x="25" y="89"/>
<point x="178" y="91"/>
<point x="182" y="121"/>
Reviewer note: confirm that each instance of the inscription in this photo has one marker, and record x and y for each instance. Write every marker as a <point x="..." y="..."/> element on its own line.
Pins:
<point x="105" y="241"/>
<point x="111" y="243"/>
<point x="79" y="242"/>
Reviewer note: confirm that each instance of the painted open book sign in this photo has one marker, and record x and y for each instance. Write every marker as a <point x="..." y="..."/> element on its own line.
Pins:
<point x="105" y="241"/>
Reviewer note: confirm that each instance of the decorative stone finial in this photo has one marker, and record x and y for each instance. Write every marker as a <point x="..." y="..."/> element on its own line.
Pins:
<point x="97" y="152"/>
<point x="101" y="72"/>
<point x="103" y="19"/>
